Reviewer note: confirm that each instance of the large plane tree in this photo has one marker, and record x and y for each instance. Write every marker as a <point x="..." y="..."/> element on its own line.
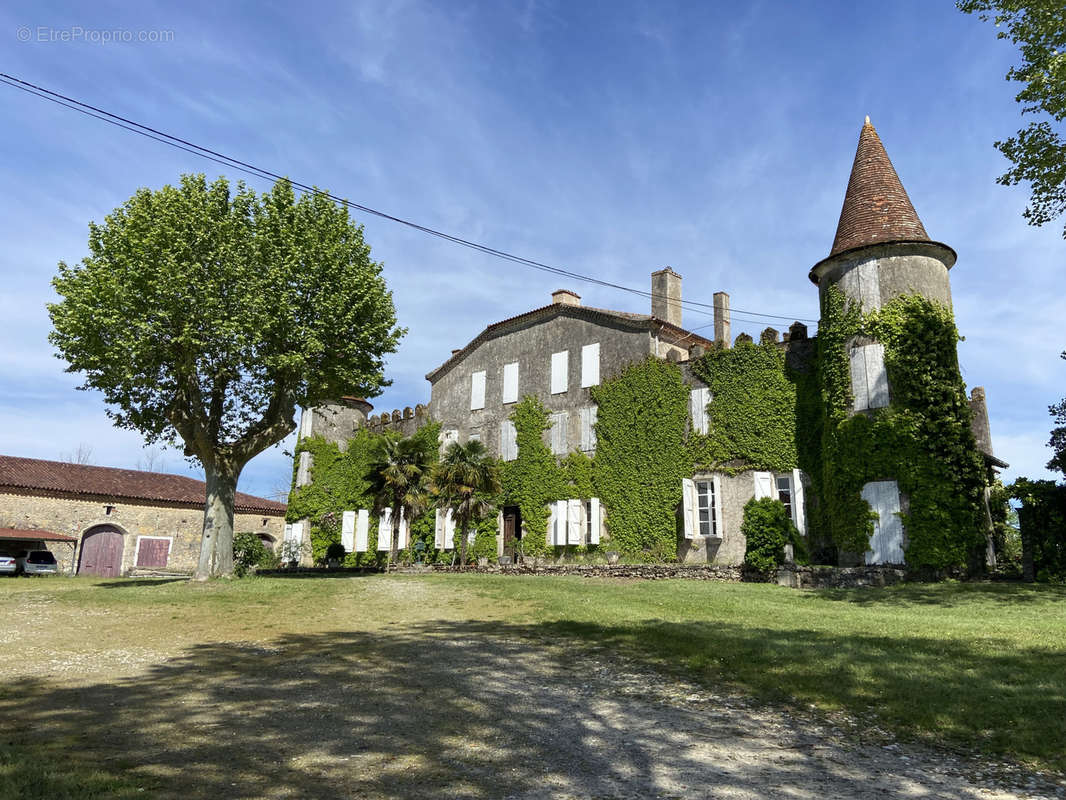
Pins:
<point x="209" y="315"/>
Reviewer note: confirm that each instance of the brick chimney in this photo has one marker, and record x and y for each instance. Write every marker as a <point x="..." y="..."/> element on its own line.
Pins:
<point x="666" y="296"/>
<point x="565" y="297"/>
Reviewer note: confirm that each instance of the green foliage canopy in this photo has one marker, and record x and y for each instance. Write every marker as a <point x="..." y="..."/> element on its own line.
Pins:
<point x="1038" y="152"/>
<point x="208" y="315"/>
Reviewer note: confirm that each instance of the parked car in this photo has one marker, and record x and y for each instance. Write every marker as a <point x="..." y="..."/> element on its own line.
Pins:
<point x="36" y="562"/>
<point x="7" y="565"/>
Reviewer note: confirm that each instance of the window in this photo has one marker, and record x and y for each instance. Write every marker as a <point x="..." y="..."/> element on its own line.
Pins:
<point x="348" y="531"/>
<point x="508" y="441"/>
<point x="590" y="365"/>
<point x="560" y="371"/>
<point x="588" y="428"/>
<point x="697" y="409"/>
<point x="477" y="390"/>
<point x="702" y="506"/>
<point x="558" y="432"/>
<point x="706" y="506"/>
<point x="474" y="437"/>
<point x="869" y="381"/>
<point x="510" y="383"/>
<point x="446" y="439"/>
<point x="784" y="493"/>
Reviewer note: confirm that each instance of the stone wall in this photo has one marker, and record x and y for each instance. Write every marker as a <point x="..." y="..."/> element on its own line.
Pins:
<point x="74" y="517"/>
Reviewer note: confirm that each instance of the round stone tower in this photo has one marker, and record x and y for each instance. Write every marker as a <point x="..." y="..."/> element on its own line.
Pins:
<point x="881" y="250"/>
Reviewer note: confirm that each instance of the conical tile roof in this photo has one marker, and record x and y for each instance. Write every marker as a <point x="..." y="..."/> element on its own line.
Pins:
<point x="876" y="207"/>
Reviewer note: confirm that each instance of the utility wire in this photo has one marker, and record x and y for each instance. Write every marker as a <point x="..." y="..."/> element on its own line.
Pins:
<point x="259" y="172"/>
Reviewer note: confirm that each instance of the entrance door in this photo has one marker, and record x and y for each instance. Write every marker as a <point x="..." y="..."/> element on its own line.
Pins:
<point x="512" y="530"/>
<point x="101" y="553"/>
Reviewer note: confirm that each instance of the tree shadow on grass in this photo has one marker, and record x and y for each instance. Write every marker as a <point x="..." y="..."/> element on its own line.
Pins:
<point x="949" y="594"/>
<point x="473" y="709"/>
<point x="130" y="583"/>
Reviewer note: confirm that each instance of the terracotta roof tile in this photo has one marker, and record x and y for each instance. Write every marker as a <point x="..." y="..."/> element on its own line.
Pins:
<point x="876" y="207"/>
<point x="127" y="484"/>
<point x="35" y="536"/>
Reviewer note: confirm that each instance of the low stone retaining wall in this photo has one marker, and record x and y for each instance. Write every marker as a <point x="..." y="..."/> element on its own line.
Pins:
<point x="799" y="577"/>
<point x="649" y="572"/>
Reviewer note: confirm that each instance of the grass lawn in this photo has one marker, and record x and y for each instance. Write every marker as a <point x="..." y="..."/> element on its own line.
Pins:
<point x="90" y="668"/>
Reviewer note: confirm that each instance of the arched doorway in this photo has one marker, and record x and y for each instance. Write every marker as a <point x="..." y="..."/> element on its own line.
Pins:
<point x="101" y="552"/>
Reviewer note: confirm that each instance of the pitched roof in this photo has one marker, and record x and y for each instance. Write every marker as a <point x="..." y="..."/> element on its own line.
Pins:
<point x="35" y="536"/>
<point x="876" y="206"/>
<point x="126" y="484"/>
<point x="626" y="318"/>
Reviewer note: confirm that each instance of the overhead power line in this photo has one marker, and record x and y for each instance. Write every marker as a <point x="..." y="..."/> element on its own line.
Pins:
<point x="265" y="174"/>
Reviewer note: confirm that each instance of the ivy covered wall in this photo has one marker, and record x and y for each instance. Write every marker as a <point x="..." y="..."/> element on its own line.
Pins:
<point x="923" y="439"/>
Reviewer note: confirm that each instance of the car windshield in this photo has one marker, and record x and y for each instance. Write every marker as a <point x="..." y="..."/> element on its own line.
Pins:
<point x="41" y="557"/>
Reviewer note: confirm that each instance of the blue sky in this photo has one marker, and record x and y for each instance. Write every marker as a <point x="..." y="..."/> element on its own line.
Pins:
<point x="610" y="138"/>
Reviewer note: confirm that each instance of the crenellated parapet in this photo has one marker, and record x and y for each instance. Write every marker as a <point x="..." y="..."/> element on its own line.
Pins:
<point x="406" y="421"/>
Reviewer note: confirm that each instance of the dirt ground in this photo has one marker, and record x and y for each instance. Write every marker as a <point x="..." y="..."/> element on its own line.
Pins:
<point x="432" y="704"/>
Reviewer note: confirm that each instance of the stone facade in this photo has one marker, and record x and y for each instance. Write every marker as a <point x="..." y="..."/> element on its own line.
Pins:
<point x="181" y="526"/>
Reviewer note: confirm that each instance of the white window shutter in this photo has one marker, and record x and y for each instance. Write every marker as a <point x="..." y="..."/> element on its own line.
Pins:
<point x="510" y="382"/>
<point x="560" y="371"/>
<point x="597" y="520"/>
<point x="287" y="536"/>
<point x="449" y="530"/>
<point x="306" y="423"/>
<point x="590" y="365"/>
<point x="688" y="504"/>
<point x="799" y="510"/>
<point x="764" y="484"/>
<point x="559" y="422"/>
<point x="697" y="409"/>
<point x="575" y="522"/>
<point x="477" y="390"/>
<point x="348" y="531"/>
<point x="303" y="470"/>
<point x="508" y="441"/>
<point x="589" y="415"/>
<point x="876" y="376"/>
<point x="719" y="530"/>
<point x="404" y="528"/>
<point x="384" y="530"/>
<point x="549" y="537"/>
<point x="886" y="543"/>
<point x="857" y="364"/>
<point x="438" y="530"/>
<point x="561" y="518"/>
<point x="362" y="530"/>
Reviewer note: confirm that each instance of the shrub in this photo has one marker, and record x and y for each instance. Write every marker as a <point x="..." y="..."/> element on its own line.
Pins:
<point x="335" y="552"/>
<point x="767" y="528"/>
<point x="249" y="551"/>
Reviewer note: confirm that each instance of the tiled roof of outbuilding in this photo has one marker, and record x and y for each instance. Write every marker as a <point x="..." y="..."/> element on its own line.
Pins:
<point x="125" y="484"/>
<point x="24" y="534"/>
<point x="876" y="206"/>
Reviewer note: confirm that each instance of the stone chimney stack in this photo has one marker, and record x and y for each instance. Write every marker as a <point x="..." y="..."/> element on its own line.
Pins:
<point x="666" y="296"/>
<point x="982" y="431"/>
<point x="722" y="333"/>
<point x="565" y="297"/>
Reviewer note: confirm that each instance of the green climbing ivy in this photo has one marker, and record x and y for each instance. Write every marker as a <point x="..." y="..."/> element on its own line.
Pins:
<point x="923" y="440"/>
<point x="641" y="457"/>
<point x="534" y="479"/>
<point x="752" y="413"/>
<point x="338" y="483"/>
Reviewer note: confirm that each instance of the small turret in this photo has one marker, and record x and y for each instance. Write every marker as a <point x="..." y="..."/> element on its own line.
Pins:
<point x="881" y="249"/>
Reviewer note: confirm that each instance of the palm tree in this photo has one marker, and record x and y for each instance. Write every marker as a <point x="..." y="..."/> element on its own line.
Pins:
<point x="465" y="480"/>
<point x="399" y="476"/>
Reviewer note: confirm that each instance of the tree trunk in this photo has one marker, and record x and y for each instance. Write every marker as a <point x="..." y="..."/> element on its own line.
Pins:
<point x="216" y="544"/>
<point x="462" y="546"/>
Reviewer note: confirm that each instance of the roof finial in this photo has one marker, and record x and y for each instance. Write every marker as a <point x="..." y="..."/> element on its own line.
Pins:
<point x="867" y="119"/>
